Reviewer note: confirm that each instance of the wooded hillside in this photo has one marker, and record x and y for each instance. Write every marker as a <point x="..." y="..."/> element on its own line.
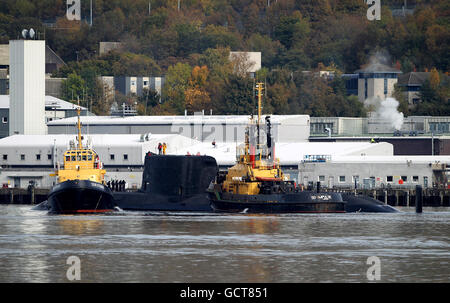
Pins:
<point x="191" y="46"/>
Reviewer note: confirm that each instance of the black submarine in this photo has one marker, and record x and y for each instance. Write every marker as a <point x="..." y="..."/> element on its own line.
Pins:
<point x="180" y="183"/>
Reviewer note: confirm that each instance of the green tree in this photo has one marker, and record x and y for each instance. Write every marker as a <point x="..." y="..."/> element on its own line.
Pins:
<point x="291" y="30"/>
<point x="237" y="97"/>
<point x="73" y="87"/>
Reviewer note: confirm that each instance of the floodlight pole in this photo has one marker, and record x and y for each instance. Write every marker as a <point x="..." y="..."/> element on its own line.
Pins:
<point x="91" y="12"/>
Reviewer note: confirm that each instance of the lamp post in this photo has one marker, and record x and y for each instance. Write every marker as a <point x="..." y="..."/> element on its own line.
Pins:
<point x="432" y="143"/>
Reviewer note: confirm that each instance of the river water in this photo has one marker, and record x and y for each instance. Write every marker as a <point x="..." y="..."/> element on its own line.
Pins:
<point x="180" y="247"/>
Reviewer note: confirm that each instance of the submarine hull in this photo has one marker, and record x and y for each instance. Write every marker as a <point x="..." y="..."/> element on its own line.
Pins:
<point x="360" y="203"/>
<point x="80" y="197"/>
<point x="300" y="202"/>
<point x="143" y="201"/>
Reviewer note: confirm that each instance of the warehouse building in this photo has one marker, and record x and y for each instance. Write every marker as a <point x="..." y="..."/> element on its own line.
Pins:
<point x="375" y="172"/>
<point x="349" y="126"/>
<point x="205" y="128"/>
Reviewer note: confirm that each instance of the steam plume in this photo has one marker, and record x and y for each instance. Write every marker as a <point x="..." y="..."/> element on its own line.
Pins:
<point x="386" y="110"/>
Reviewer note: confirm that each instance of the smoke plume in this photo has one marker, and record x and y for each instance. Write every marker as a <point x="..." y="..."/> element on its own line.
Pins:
<point x="376" y="60"/>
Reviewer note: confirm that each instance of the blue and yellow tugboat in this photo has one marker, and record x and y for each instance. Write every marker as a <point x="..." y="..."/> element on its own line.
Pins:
<point x="256" y="184"/>
<point x="81" y="187"/>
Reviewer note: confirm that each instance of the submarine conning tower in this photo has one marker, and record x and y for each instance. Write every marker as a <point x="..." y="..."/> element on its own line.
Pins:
<point x="178" y="175"/>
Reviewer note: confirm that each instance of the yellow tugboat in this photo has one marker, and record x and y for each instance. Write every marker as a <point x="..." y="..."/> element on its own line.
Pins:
<point x="81" y="187"/>
<point x="256" y="184"/>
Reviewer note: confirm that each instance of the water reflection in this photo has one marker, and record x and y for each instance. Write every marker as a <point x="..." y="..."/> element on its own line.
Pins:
<point x="79" y="225"/>
<point x="174" y="247"/>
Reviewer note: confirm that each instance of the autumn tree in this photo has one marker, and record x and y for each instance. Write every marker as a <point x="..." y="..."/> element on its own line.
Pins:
<point x="196" y="96"/>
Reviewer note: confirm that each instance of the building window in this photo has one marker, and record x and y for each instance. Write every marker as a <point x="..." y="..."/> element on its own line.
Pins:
<point x="440" y="127"/>
<point x="320" y="127"/>
<point x="125" y="156"/>
<point x="22" y="157"/>
<point x="321" y="178"/>
<point x="4" y="120"/>
<point x="385" y="86"/>
<point x="111" y="156"/>
<point x="342" y="179"/>
<point x="5" y="157"/>
<point x="415" y="179"/>
<point x="38" y="157"/>
<point x="355" y="179"/>
<point x="49" y="156"/>
<point x="404" y="178"/>
<point x="390" y="179"/>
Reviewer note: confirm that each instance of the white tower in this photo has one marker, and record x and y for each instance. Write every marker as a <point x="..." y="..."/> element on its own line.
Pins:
<point x="27" y="87"/>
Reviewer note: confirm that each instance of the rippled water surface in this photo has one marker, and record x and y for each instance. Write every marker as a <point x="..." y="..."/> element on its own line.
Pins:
<point x="180" y="247"/>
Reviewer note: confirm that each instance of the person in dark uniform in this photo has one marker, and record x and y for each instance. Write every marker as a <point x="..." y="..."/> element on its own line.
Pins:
<point x="159" y="148"/>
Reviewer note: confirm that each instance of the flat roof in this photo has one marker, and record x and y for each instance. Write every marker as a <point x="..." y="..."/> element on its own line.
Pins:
<point x="288" y="153"/>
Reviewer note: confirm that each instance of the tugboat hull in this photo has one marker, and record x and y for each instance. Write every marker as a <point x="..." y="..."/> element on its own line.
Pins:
<point x="301" y="202"/>
<point x="80" y="197"/>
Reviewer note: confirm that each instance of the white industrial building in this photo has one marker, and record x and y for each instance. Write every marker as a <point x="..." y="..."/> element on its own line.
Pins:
<point x="349" y="126"/>
<point x="375" y="171"/>
<point x="205" y="128"/>
<point x="27" y="87"/>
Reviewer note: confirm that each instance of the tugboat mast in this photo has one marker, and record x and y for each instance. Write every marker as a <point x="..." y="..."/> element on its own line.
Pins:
<point x="80" y="144"/>
<point x="259" y="88"/>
